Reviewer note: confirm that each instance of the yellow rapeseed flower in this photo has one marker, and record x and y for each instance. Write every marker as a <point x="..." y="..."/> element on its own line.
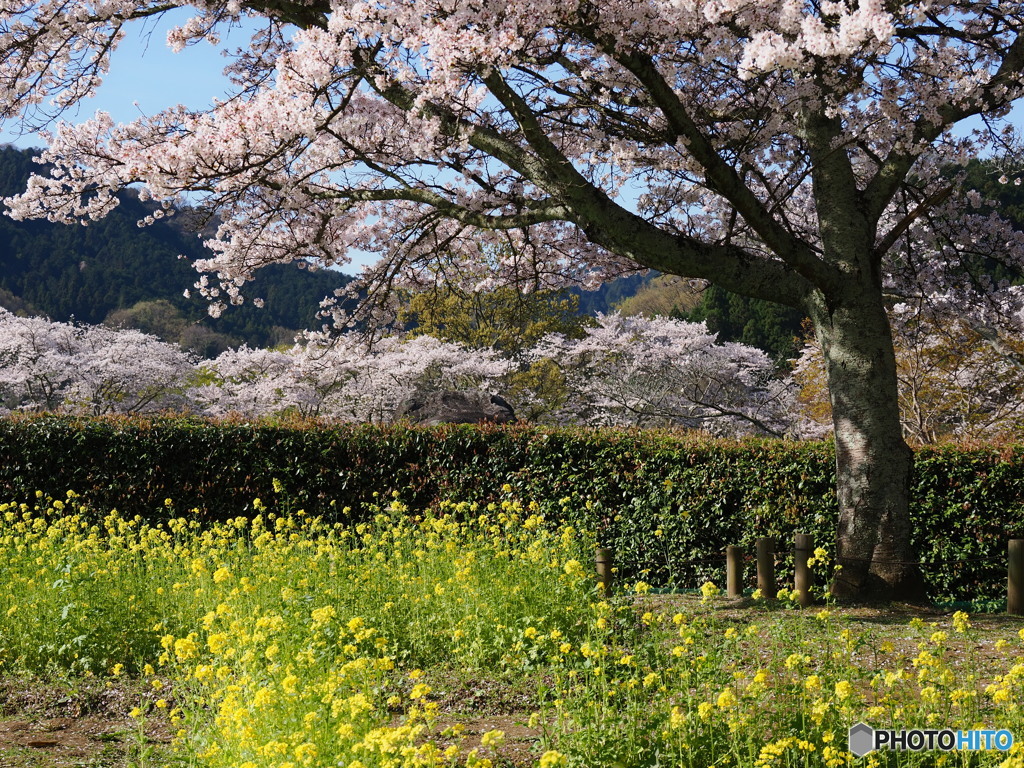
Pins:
<point x="795" y="660"/>
<point x="961" y="622"/>
<point x="288" y="685"/>
<point x="185" y="648"/>
<point x="419" y="691"/>
<point x="217" y="643"/>
<point x="492" y="739"/>
<point x="306" y="752"/>
<point x="323" y="615"/>
<point x="550" y="759"/>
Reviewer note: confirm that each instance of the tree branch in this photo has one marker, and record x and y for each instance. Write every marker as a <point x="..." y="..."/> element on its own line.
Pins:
<point x="892" y="173"/>
<point x="722" y="178"/>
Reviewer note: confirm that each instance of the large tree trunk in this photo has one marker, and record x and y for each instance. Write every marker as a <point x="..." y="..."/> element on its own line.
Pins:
<point x="873" y="463"/>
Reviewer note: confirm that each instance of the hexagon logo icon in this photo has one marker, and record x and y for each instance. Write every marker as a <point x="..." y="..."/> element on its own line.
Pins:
<point x="861" y="739"/>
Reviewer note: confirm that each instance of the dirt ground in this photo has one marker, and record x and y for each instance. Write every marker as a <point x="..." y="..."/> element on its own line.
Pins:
<point x="91" y="740"/>
<point x="73" y="725"/>
<point x="85" y="724"/>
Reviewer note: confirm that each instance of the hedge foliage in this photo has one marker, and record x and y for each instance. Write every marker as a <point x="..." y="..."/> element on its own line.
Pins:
<point x="668" y="504"/>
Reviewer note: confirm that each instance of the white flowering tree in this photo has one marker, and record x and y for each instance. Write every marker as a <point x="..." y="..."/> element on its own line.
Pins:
<point x="127" y="371"/>
<point x="636" y="371"/>
<point x="790" y="151"/>
<point x="244" y="381"/>
<point x="36" y="362"/>
<point x="625" y="371"/>
<point x="47" y="366"/>
<point x="350" y="380"/>
<point x="344" y="378"/>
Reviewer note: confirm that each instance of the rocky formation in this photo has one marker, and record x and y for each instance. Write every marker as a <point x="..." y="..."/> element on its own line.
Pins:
<point x="459" y="407"/>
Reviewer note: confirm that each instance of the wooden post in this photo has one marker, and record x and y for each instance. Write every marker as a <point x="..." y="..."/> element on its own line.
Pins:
<point x="766" y="568"/>
<point x="734" y="571"/>
<point x="605" y="560"/>
<point x="804" y="578"/>
<point x="1015" y="578"/>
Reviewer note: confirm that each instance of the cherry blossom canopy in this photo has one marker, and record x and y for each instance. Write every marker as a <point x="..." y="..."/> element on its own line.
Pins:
<point x="589" y="137"/>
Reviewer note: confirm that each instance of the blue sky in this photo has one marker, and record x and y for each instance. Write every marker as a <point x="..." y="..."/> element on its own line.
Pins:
<point x="146" y="76"/>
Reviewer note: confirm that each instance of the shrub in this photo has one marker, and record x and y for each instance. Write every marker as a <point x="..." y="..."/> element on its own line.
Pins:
<point x="668" y="503"/>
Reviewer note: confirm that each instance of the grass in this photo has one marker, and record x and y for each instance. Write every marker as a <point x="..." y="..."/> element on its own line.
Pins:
<point x="466" y="636"/>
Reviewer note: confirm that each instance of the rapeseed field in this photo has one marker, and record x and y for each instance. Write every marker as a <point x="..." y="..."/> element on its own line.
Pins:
<point x="276" y="639"/>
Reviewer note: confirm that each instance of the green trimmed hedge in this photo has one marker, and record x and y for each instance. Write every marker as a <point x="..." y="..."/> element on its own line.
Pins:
<point x="668" y="504"/>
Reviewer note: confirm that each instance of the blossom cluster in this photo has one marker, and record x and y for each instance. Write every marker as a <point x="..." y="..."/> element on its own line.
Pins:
<point x="90" y="369"/>
<point x="686" y="136"/>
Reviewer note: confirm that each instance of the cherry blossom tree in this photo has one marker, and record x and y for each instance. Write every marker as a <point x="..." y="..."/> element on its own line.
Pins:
<point x="243" y="381"/>
<point x="36" y="362"/>
<point x="344" y="378"/>
<point x="347" y="379"/>
<point x="626" y="371"/>
<point x="47" y="366"/>
<point x="127" y="371"/>
<point x="635" y="371"/>
<point x="790" y="151"/>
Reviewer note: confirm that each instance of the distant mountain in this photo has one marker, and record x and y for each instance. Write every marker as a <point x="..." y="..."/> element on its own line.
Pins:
<point x="66" y="271"/>
<point x="606" y="297"/>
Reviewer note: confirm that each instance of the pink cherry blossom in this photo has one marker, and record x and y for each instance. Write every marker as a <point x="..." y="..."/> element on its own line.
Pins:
<point x="47" y="366"/>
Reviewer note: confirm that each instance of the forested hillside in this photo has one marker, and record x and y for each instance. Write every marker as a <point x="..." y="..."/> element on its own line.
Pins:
<point x="66" y="271"/>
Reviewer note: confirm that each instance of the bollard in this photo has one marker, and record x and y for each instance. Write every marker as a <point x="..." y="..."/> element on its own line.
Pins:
<point x="734" y="571"/>
<point x="1015" y="578"/>
<point x="605" y="560"/>
<point x="804" y="578"/>
<point x="766" y="567"/>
